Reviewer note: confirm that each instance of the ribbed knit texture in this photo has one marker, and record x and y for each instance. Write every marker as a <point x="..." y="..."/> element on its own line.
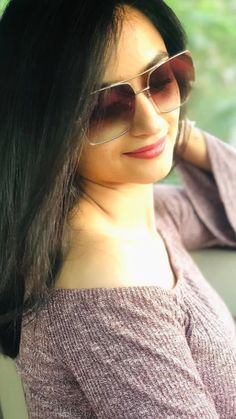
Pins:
<point x="145" y="352"/>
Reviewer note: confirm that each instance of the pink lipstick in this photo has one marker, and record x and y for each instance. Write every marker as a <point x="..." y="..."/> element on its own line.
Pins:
<point x="149" y="152"/>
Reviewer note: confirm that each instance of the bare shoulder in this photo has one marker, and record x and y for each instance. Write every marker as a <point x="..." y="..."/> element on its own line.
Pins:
<point x="96" y="265"/>
<point x="107" y="263"/>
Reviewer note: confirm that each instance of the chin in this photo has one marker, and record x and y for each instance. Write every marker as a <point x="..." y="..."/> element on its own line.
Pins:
<point x="163" y="165"/>
<point x="154" y="170"/>
<point x="157" y="171"/>
<point x="163" y="170"/>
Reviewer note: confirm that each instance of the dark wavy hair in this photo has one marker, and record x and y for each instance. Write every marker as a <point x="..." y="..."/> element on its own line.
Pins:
<point x="52" y="54"/>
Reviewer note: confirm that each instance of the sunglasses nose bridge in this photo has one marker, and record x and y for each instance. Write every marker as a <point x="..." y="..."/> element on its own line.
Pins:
<point x="143" y="79"/>
<point x="137" y="92"/>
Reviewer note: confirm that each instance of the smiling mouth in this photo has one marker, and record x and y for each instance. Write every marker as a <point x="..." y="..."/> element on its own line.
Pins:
<point x="147" y="148"/>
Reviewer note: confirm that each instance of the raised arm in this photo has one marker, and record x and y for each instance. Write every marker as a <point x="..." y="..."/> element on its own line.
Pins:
<point x="203" y="210"/>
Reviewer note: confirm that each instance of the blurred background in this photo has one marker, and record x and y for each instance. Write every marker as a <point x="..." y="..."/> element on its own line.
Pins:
<point x="211" y="30"/>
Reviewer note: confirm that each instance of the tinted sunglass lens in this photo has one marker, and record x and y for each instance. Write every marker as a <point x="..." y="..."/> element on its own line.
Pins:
<point x="112" y="114"/>
<point x="171" y="83"/>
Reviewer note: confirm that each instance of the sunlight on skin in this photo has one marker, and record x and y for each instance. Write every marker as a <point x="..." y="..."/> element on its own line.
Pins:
<point x="119" y="189"/>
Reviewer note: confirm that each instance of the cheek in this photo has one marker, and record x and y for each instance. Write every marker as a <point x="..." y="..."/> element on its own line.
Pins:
<point x="95" y="162"/>
<point x="174" y="116"/>
<point x="173" y="122"/>
<point x="82" y="165"/>
<point x="87" y="161"/>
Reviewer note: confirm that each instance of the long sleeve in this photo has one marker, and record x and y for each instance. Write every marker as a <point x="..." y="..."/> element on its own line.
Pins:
<point x="130" y="357"/>
<point x="132" y="352"/>
<point x="203" y="209"/>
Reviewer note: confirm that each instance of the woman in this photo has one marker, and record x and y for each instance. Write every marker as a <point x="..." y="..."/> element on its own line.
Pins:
<point x="126" y="325"/>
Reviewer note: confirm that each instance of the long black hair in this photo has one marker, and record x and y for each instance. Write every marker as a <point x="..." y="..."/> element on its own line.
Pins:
<point x="52" y="55"/>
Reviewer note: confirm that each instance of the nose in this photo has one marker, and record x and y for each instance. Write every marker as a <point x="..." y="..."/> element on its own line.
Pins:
<point x="147" y="118"/>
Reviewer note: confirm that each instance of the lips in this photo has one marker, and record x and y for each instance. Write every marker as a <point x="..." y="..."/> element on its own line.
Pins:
<point x="147" y="148"/>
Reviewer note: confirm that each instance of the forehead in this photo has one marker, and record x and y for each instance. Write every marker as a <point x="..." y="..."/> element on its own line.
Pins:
<point x="139" y="43"/>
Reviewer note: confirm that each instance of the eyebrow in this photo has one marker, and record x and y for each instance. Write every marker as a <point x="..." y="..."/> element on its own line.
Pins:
<point x="155" y="60"/>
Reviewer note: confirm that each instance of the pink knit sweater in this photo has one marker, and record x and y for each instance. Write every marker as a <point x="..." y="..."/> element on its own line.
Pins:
<point x="145" y="352"/>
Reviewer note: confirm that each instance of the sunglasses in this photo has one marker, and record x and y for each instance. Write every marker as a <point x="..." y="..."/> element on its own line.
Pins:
<point x="168" y="85"/>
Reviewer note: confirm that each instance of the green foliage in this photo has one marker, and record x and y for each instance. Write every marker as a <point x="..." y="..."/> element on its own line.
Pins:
<point x="211" y="30"/>
<point x="3" y="4"/>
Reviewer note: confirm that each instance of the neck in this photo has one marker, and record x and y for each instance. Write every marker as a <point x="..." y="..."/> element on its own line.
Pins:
<point x="124" y="211"/>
